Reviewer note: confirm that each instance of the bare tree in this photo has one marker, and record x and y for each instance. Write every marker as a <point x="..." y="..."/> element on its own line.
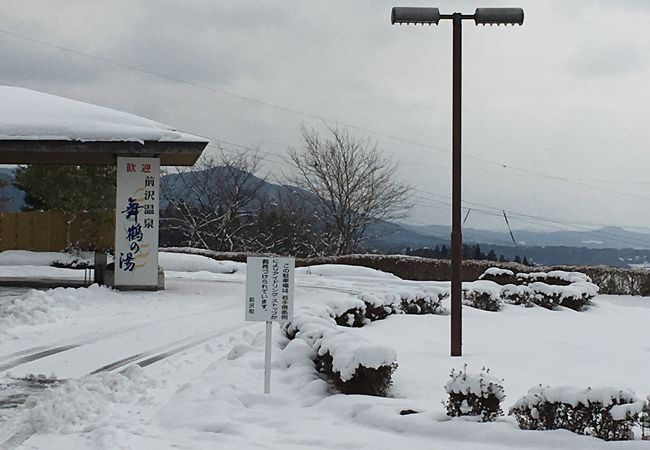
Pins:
<point x="349" y="185"/>
<point x="285" y="225"/>
<point x="209" y="206"/>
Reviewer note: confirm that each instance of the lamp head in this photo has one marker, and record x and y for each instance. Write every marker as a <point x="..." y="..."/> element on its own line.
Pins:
<point x="498" y="16"/>
<point x="405" y="14"/>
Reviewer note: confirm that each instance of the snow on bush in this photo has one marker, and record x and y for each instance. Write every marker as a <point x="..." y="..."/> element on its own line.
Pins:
<point x="643" y="419"/>
<point x="496" y="271"/>
<point x="84" y="404"/>
<point x="549" y="290"/>
<point x="517" y="295"/>
<point x="605" y="413"/>
<point x="353" y="364"/>
<point x="575" y="296"/>
<point x="474" y="394"/>
<point x="421" y="301"/>
<point x="554" y="277"/>
<point x="367" y="307"/>
<point x="483" y="294"/>
<point x="499" y="276"/>
<point x="357" y="312"/>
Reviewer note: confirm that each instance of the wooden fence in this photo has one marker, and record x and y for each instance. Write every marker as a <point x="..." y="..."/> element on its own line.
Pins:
<point x="54" y="231"/>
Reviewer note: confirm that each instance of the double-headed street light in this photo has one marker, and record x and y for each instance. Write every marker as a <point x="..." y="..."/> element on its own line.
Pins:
<point x="482" y="16"/>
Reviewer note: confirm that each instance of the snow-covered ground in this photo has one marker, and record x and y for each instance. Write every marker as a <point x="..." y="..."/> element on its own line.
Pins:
<point x="201" y="381"/>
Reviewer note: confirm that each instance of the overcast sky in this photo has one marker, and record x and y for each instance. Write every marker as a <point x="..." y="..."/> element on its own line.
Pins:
<point x="555" y="113"/>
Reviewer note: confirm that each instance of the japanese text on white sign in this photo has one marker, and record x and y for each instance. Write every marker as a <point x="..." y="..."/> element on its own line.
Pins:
<point x="136" y="221"/>
<point x="269" y="288"/>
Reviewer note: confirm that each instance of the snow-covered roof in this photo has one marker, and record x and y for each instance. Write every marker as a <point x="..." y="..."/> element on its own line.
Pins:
<point x="33" y="122"/>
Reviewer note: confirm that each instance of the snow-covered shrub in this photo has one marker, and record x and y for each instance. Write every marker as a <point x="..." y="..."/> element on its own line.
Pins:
<point x="575" y="296"/>
<point x="643" y="419"/>
<point x="427" y="301"/>
<point x="499" y="276"/>
<point x="605" y="413"/>
<point x="474" y="394"/>
<point x="357" y="312"/>
<point x="554" y="277"/>
<point x="355" y="366"/>
<point x="352" y="364"/>
<point x="485" y="295"/>
<point x="517" y="295"/>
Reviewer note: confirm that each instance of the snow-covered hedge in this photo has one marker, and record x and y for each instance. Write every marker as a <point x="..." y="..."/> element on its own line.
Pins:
<point x="474" y="394"/>
<point x="353" y="364"/>
<point x="605" y="413"/>
<point x="356" y="312"/>
<point x="554" y="277"/>
<point x="556" y="288"/>
<point x="485" y="295"/>
<point x="499" y="276"/>
<point x="575" y="295"/>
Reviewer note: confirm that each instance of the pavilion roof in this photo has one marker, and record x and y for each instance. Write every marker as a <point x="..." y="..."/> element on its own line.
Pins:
<point x="40" y="128"/>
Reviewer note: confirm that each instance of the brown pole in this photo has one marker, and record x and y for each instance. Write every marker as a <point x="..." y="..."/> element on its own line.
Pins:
<point x="456" y="234"/>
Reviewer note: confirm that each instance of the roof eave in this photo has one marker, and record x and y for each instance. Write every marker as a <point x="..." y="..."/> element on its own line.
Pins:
<point x="171" y="153"/>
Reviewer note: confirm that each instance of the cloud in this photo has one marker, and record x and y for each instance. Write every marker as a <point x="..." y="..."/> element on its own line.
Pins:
<point x="615" y="62"/>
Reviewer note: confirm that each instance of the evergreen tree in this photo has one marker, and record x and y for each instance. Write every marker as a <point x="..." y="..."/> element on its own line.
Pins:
<point x="82" y="193"/>
<point x="491" y="256"/>
<point x="502" y="259"/>
<point x="70" y="189"/>
<point x="517" y="259"/>
<point x="525" y="262"/>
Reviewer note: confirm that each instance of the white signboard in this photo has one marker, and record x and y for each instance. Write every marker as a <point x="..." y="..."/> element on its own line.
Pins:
<point x="136" y="222"/>
<point x="269" y="288"/>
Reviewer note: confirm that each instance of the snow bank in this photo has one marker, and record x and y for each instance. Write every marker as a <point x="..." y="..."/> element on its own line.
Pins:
<point x="179" y="262"/>
<point x="36" y="307"/>
<point x="85" y="404"/>
<point x="29" y="258"/>
<point x="345" y="271"/>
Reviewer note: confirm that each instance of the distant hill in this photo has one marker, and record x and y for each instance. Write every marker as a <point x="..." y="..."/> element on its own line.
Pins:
<point x="607" y="237"/>
<point x="609" y="245"/>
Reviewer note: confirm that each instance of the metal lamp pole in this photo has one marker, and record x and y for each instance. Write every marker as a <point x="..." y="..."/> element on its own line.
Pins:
<point x="483" y="16"/>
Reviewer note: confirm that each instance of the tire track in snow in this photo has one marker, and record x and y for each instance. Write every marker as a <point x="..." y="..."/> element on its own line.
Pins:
<point x="40" y="352"/>
<point x="150" y="357"/>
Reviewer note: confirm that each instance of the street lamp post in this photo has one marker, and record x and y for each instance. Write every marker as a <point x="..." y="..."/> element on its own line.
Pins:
<point x="482" y="16"/>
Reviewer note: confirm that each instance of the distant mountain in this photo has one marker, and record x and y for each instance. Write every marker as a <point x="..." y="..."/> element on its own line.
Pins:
<point x="607" y="237"/>
<point x="608" y="245"/>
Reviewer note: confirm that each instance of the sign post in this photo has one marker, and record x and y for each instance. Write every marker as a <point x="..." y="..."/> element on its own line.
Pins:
<point x="136" y="222"/>
<point x="269" y="297"/>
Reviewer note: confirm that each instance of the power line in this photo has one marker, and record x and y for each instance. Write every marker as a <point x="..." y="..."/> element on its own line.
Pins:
<point x="274" y="158"/>
<point x="309" y="114"/>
